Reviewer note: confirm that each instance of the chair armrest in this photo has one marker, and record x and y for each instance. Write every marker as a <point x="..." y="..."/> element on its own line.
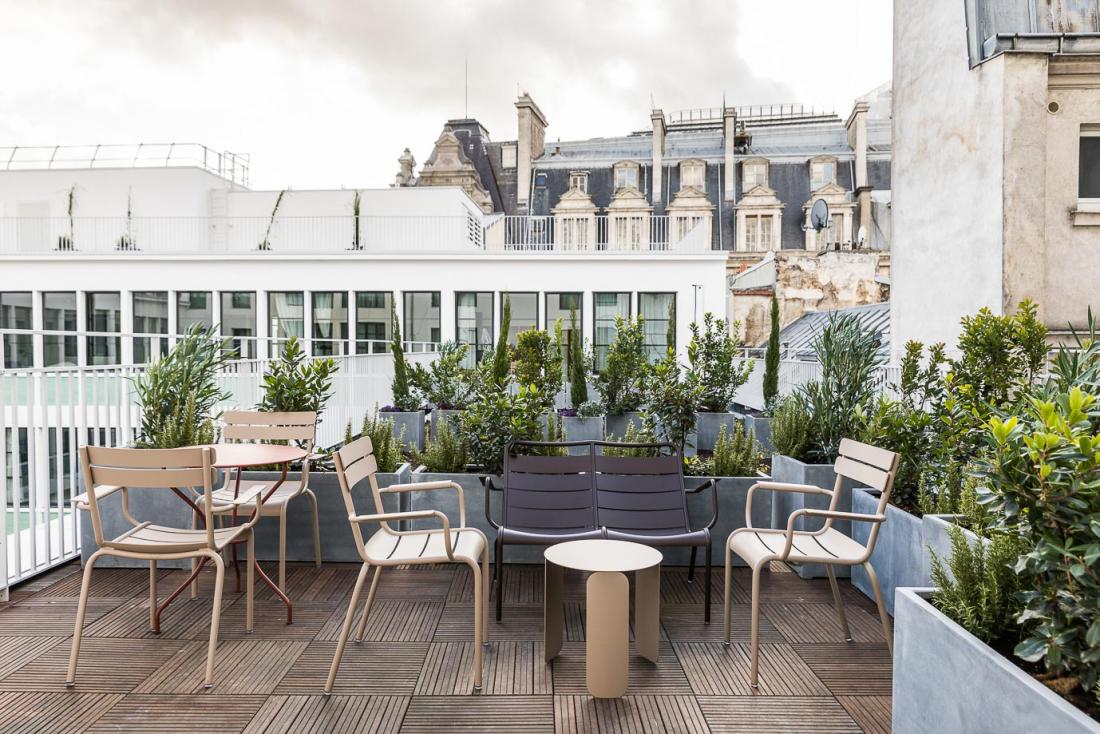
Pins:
<point x="831" y="514"/>
<point x="429" y="487"/>
<point x="490" y="487"/>
<point x="412" y="515"/>
<point x="779" y="487"/>
<point x="713" y="499"/>
<point x="104" y="490"/>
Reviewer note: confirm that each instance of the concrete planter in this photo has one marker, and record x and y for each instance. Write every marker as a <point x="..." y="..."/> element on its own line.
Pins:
<point x="898" y="558"/>
<point x="412" y="422"/>
<point x="616" y="425"/>
<point x="935" y="538"/>
<point x="579" y="428"/>
<point x="947" y="680"/>
<point x="441" y="416"/>
<point x="732" y="494"/>
<point x="709" y="425"/>
<point x="337" y="545"/>
<point x="793" y="471"/>
<point x="761" y="427"/>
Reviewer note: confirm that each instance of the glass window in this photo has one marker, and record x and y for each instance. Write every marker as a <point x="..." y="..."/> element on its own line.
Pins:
<point x="104" y="314"/>
<point x="474" y="323"/>
<point x="59" y="314"/>
<point x="193" y="307"/>
<point x="758" y="232"/>
<point x="565" y="306"/>
<point x="422" y="324"/>
<point x="1088" y="170"/>
<point x="753" y="174"/>
<point x="607" y="307"/>
<point x="579" y="180"/>
<point x="659" y="330"/>
<point x="16" y="312"/>
<point x="525" y="313"/>
<point x="822" y="172"/>
<point x="239" y="322"/>
<point x="286" y="313"/>
<point x="150" y="317"/>
<point x="693" y="174"/>
<point x="330" y="323"/>
<point x="372" y="322"/>
<point x="626" y="175"/>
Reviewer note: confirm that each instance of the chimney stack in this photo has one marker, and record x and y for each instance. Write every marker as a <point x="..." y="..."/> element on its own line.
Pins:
<point x="729" y="136"/>
<point x="531" y="141"/>
<point x="861" y="187"/>
<point x="657" y="117"/>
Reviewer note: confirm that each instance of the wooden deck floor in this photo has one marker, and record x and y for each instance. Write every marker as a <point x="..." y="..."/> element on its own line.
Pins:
<point x="413" y="672"/>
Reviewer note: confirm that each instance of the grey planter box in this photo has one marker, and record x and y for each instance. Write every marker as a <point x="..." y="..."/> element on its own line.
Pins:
<point x="616" y="425"/>
<point x="761" y="427"/>
<point x="793" y="471"/>
<point x="337" y="544"/>
<point x="412" y="422"/>
<point x="578" y="428"/>
<point x="732" y="494"/>
<point x="898" y="558"/>
<point x="709" y="425"/>
<point x="935" y="538"/>
<point x="947" y="680"/>
<point x="441" y="416"/>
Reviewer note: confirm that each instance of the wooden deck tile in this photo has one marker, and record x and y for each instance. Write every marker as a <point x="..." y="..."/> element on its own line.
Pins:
<point x="509" y="668"/>
<point x="368" y="669"/>
<point x="269" y="621"/>
<point x="643" y="714"/>
<point x="107" y="583"/>
<point x="666" y="678"/>
<point x="432" y="583"/>
<point x="106" y="665"/>
<point x="179" y="620"/>
<point x="776" y="715"/>
<point x="301" y="714"/>
<point x="488" y="714"/>
<point x="684" y="622"/>
<point x="818" y="623"/>
<point x="50" y="616"/>
<point x="872" y="713"/>
<point x="240" y="667"/>
<point x="717" y="670"/>
<point x="850" y="669"/>
<point x="43" y="713"/>
<point x="390" y="621"/>
<point x="15" y="652"/>
<point x="519" y="623"/>
<point x="175" y="714"/>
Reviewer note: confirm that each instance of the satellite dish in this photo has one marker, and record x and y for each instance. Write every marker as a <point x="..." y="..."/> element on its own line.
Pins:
<point x="819" y="216"/>
<point x="861" y="236"/>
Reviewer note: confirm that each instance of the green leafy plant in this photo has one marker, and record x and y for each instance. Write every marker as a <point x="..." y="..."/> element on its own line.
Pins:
<point x="738" y="455"/>
<point x="634" y="434"/>
<point x="670" y="402"/>
<point x="620" y="383"/>
<point x="713" y="364"/>
<point x="1000" y="355"/>
<point x="296" y="383"/>
<point x="177" y="393"/>
<point x="590" y="409"/>
<point x="446" y="383"/>
<point x="539" y="364"/>
<point x="66" y="242"/>
<point x="265" y="243"/>
<point x="501" y="356"/>
<point x="403" y="399"/>
<point x="771" y="359"/>
<point x="496" y="418"/>
<point x="386" y="445"/>
<point x="444" y="451"/>
<point x="578" y="365"/>
<point x="356" y="204"/>
<point x="790" y="425"/>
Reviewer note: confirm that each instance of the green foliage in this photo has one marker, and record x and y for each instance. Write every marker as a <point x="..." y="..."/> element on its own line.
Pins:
<point x="771" y="359"/>
<point x="736" y="456"/>
<point x="386" y="446"/>
<point x="498" y="417"/>
<point x="578" y="365"/>
<point x="178" y="392"/>
<point x="539" y="364"/>
<point x="1001" y="355"/>
<point x="265" y="243"/>
<point x="634" y="434"/>
<point x="978" y="586"/>
<point x="445" y="450"/>
<point x="296" y="383"/>
<point x="403" y="398"/>
<point x="849" y="359"/>
<point x="501" y="356"/>
<point x="954" y="490"/>
<point x="590" y="409"/>
<point x="670" y="402"/>
<point x="790" y="425"/>
<point x="446" y="383"/>
<point x="620" y="383"/>
<point x="713" y="354"/>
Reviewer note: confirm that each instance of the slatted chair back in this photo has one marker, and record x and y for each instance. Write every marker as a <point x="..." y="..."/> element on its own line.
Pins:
<point x="552" y="495"/>
<point x="258" y="425"/>
<point x="354" y="463"/>
<point x="642" y="495"/>
<point x="868" y="466"/>
<point x="147" y="469"/>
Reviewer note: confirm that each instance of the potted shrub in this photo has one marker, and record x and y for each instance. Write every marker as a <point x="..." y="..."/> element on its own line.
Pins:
<point x="406" y="413"/>
<point x="760" y="422"/>
<point x="583" y="420"/>
<point x="670" y="403"/>
<point x="620" y="382"/>
<point x="445" y="384"/>
<point x="714" y="367"/>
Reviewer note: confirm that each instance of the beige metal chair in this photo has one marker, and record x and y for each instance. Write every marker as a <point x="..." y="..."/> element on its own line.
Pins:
<point x="867" y="466"/>
<point x="255" y="425"/>
<point x="109" y="470"/>
<point x="388" y="547"/>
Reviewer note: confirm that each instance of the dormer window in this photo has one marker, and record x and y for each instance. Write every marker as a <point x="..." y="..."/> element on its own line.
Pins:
<point x="693" y="175"/>
<point x="753" y="174"/>
<point x="822" y="172"/>
<point x="578" y="181"/>
<point x="626" y="176"/>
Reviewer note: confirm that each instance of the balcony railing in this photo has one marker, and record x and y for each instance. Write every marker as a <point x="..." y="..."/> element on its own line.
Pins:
<point x="598" y="233"/>
<point x="228" y="165"/>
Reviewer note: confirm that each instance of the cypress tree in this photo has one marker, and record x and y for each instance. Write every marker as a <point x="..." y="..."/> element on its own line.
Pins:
<point x="402" y="397"/>
<point x="771" y="359"/>
<point x="578" y="379"/>
<point x="501" y="362"/>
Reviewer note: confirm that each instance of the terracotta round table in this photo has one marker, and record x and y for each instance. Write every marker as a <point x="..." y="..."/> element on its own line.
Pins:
<point x="607" y="619"/>
<point x="240" y="456"/>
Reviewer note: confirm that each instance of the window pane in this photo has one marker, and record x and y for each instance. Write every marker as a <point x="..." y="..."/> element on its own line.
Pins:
<point x="607" y="307"/>
<point x="59" y="314"/>
<point x="525" y="313"/>
<point x="1088" y="175"/>
<point x="372" y="322"/>
<point x="16" y="313"/>
<point x="563" y="306"/>
<point x="422" y="322"/>
<point x="330" y="323"/>
<point x="659" y="330"/>
<point x="150" y="317"/>
<point x="474" y="323"/>
<point x="193" y="307"/>
<point x="286" y="316"/>
<point x="239" y="322"/>
<point x="104" y="314"/>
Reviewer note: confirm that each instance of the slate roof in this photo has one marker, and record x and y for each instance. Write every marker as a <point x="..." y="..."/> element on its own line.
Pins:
<point x="796" y="338"/>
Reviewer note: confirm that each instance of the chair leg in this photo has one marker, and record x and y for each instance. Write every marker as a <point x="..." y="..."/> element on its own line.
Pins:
<point x="841" y="616"/>
<point x="282" y="550"/>
<point x="479" y="612"/>
<point x="345" y="630"/>
<point x="370" y="602"/>
<point x="706" y="609"/>
<point x="194" y="561"/>
<point x="886" y="629"/>
<point x="500" y="577"/>
<point x="485" y="596"/>
<point x="316" y="529"/>
<point x="81" y="608"/>
<point x="251" y="590"/>
<point x="230" y="520"/>
<point x="153" y="596"/>
<point x="691" y="566"/>
<point x="215" y="616"/>
<point x="755" y="626"/>
<point x="726" y="612"/>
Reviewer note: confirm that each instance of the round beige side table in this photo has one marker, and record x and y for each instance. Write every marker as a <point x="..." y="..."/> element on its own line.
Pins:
<point x="608" y="602"/>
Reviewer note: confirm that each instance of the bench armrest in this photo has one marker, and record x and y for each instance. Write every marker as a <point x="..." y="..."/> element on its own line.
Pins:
<point x="713" y="499"/>
<point x="830" y="514"/>
<point x="431" y="487"/>
<point x="779" y="487"/>
<point x="490" y="487"/>
<point x="413" y="515"/>
<point x="104" y="490"/>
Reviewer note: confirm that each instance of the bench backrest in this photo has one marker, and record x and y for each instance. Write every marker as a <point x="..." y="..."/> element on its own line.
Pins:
<point x="552" y="494"/>
<point x="641" y="494"/>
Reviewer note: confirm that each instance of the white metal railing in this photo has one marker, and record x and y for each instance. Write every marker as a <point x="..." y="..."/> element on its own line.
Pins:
<point x="231" y="166"/>
<point x="46" y="414"/>
<point x="793" y="373"/>
<point x="599" y="233"/>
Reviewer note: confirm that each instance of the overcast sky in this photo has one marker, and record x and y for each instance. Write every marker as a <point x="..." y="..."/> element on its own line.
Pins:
<point x="326" y="93"/>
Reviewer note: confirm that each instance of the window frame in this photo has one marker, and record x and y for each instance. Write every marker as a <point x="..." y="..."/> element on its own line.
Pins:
<point x="16" y="345"/>
<point x="365" y="344"/>
<point x="64" y="345"/>
<point x="1091" y="132"/>
<point x="694" y="163"/>
<point x="335" y="345"/>
<point x="675" y="332"/>
<point x="145" y="344"/>
<point x="406" y="331"/>
<point x="243" y="345"/>
<point x="274" y="338"/>
<point x="822" y="161"/>
<point x="106" y="334"/>
<point x="576" y="177"/>
<point x="624" y="166"/>
<point x="500" y="318"/>
<point x="596" y="346"/>
<point x="478" y="349"/>
<point x="753" y="164"/>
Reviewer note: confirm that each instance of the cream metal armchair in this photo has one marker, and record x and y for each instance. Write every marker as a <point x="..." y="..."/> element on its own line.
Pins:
<point x="389" y="547"/>
<point x="866" y="465"/>
<point x="110" y="470"/>
<point x="255" y="425"/>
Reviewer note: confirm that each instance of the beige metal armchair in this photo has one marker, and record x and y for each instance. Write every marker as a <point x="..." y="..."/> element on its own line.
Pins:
<point x="255" y="425"/>
<point x="110" y="470"/>
<point x="866" y="465"/>
<point x="389" y="547"/>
